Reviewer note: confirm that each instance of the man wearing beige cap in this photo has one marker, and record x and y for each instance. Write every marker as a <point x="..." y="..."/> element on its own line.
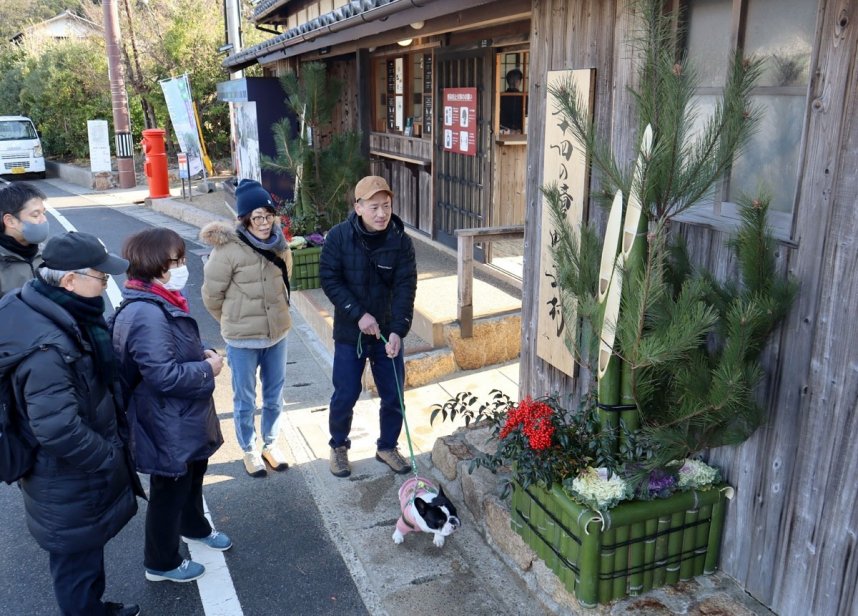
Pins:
<point x="369" y="273"/>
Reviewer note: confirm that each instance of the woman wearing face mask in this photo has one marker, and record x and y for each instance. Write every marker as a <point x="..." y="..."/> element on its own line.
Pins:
<point x="23" y="226"/>
<point x="246" y="288"/>
<point x="168" y="381"/>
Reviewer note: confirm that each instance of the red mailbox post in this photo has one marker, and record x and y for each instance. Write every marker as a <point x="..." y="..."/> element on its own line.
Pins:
<point x="156" y="163"/>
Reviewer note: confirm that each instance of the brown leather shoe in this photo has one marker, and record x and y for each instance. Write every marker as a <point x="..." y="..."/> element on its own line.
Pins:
<point x="340" y="461"/>
<point x="393" y="459"/>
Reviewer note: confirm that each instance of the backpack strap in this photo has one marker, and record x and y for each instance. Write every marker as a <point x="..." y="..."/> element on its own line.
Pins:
<point x="280" y="263"/>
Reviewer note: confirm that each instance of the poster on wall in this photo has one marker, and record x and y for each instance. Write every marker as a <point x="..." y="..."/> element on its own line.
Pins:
<point x="565" y="165"/>
<point x="460" y="121"/>
<point x="177" y="94"/>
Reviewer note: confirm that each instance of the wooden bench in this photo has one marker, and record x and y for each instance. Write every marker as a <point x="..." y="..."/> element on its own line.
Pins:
<point x="465" y="267"/>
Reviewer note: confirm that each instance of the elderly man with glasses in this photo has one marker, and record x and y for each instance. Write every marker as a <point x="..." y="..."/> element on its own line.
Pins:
<point x="81" y="489"/>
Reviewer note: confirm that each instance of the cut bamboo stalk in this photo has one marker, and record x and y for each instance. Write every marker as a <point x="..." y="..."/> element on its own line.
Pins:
<point x="608" y="365"/>
<point x="587" y="591"/>
<point x="634" y="251"/>
<point x="611" y="245"/>
<point x="674" y="548"/>
<point x="715" y="526"/>
<point x="608" y="372"/>
<point x="660" y="572"/>
<point x="689" y="544"/>
<point x="649" y="553"/>
<point x="606" y="565"/>
<point x="620" y="570"/>
<point x="701" y="539"/>
<point x="636" y="559"/>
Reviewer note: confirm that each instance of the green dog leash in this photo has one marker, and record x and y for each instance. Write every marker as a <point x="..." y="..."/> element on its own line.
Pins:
<point x="401" y="399"/>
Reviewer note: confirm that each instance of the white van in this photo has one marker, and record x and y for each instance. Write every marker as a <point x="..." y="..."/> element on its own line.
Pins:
<point x="20" y="147"/>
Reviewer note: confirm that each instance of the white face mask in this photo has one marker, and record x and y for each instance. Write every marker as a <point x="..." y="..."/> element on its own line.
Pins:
<point x="178" y="278"/>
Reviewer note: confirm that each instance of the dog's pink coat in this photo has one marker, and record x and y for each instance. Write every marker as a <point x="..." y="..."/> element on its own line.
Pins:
<point x="411" y="489"/>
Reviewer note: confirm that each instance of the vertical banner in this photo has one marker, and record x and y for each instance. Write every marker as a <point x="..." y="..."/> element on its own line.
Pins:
<point x="460" y="121"/>
<point x="565" y="164"/>
<point x="99" y="146"/>
<point x="177" y="94"/>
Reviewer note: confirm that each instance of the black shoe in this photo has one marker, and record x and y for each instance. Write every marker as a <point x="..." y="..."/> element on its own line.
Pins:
<point x="119" y="609"/>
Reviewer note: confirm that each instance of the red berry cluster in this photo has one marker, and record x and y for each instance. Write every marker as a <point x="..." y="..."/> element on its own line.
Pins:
<point x="535" y="419"/>
<point x="286" y="225"/>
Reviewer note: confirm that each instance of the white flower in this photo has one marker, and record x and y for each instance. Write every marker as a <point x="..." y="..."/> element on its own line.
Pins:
<point x="594" y="488"/>
<point x="696" y="474"/>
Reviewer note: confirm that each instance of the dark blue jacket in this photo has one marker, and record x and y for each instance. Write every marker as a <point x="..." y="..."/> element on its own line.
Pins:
<point x="80" y="492"/>
<point x="382" y="282"/>
<point x="168" y="385"/>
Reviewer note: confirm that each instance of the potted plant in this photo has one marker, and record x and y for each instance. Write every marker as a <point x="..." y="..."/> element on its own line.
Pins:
<point x="627" y="505"/>
<point x="325" y="164"/>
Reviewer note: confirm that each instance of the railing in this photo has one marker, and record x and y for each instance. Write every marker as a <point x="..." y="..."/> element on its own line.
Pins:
<point x="465" y="267"/>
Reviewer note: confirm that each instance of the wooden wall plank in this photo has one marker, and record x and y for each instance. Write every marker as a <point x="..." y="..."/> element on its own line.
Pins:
<point x="563" y="35"/>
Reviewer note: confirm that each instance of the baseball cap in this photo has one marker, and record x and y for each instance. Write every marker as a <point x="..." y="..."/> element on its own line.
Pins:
<point x="370" y="185"/>
<point x="74" y="251"/>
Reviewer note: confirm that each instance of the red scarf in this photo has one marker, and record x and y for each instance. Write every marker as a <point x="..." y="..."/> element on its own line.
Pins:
<point x="174" y="297"/>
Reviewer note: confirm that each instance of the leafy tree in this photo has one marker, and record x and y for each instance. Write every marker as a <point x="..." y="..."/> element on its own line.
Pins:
<point x="62" y="88"/>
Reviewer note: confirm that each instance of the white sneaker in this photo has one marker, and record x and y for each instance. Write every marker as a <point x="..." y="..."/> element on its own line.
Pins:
<point x="253" y="464"/>
<point x="275" y="458"/>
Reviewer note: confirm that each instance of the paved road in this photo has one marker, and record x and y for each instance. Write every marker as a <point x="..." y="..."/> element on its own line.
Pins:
<point x="283" y="562"/>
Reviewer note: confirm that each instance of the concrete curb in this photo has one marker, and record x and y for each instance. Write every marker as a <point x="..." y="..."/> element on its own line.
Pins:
<point x="80" y="175"/>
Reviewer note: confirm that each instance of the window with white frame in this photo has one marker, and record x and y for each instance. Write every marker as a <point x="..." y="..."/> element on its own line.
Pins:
<point x="781" y="33"/>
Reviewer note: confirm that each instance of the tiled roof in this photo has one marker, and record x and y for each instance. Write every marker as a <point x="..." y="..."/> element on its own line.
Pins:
<point x="353" y="9"/>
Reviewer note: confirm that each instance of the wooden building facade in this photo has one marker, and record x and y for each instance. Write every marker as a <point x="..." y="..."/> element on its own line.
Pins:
<point x="791" y="537"/>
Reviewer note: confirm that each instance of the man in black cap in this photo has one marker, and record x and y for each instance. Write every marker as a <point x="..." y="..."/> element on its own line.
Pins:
<point x="81" y="489"/>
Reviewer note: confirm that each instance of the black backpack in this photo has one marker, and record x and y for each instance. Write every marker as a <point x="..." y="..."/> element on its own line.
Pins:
<point x="17" y="444"/>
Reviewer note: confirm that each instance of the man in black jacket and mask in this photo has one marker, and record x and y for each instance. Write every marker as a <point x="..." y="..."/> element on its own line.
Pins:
<point x="369" y="272"/>
<point x="81" y="489"/>
<point x="23" y="226"/>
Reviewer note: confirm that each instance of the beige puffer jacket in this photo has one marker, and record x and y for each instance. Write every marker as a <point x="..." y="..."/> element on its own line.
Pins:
<point x="242" y="289"/>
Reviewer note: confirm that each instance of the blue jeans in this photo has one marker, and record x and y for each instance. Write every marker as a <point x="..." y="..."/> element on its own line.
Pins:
<point x="348" y="369"/>
<point x="243" y="363"/>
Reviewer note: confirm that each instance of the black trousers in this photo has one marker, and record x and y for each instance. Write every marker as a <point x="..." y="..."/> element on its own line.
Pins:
<point x="175" y="508"/>
<point x="79" y="582"/>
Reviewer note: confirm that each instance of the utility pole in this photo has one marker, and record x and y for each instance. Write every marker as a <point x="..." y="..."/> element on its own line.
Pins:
<point x="119" y="98"/>
<point x="232" y="14"/>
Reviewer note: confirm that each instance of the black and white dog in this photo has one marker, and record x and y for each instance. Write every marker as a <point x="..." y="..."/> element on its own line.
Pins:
<point x="425" y="508"/>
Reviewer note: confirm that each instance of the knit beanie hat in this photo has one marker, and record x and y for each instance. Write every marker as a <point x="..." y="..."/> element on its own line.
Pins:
<point x="250" y="195"/>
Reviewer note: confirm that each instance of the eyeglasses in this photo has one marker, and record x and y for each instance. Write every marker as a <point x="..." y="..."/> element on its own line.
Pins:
<point x="104" y="278"/>
<point x="178" y="262"/>
<point x="258" y="220"/>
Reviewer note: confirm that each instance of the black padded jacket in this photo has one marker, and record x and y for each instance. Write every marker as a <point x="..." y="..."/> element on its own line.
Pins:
<point x="81" y="489"/>
<point x="360" y="280"/>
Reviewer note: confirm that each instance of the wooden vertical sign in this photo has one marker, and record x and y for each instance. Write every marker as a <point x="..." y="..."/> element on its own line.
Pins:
<point x="565" y="164"/>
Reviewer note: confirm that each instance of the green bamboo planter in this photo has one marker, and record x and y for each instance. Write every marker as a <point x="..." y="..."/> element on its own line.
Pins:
<point x="305" y="269"/>
<point x="626" y="551"/>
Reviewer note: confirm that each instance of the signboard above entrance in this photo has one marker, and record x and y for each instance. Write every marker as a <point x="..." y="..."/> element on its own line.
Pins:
<point x="460" y="121"/>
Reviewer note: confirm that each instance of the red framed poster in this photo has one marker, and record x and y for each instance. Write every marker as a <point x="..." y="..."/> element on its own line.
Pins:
<point x="460" y="121"/>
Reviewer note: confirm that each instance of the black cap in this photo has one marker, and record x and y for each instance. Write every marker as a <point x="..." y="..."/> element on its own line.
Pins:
<point x="75" y="251"/>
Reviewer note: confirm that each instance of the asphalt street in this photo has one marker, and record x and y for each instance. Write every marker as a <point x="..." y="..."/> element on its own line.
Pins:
<point x="283" y="560"/>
